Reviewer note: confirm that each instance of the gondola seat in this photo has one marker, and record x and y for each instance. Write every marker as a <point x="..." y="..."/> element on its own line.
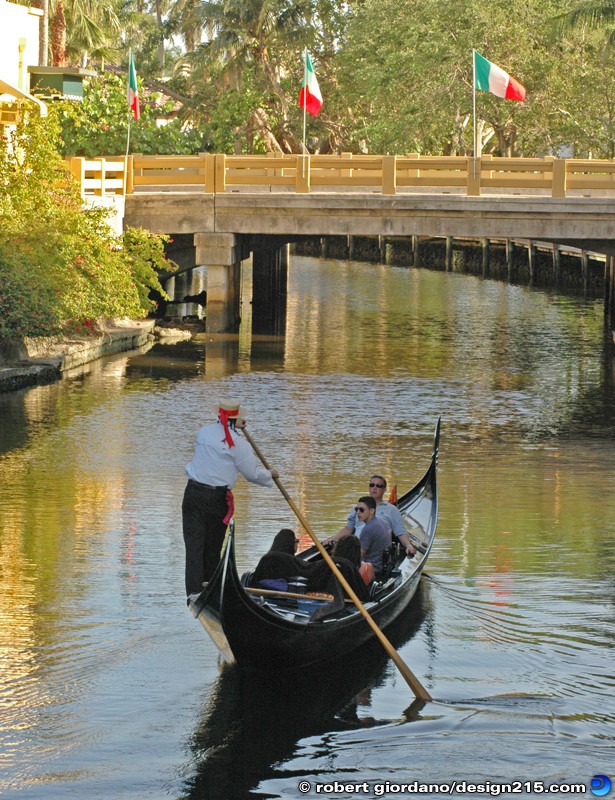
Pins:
<point x="390" y="557"/>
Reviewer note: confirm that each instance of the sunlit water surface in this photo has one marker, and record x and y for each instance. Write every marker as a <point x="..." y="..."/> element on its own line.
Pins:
<point x="110" y="689"/>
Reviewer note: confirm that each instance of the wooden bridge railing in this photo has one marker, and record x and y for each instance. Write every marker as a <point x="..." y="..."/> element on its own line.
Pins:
<point x="208" y="172"/>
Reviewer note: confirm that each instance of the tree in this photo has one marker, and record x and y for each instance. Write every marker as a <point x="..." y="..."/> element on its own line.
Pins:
<point x="589" y="15"/>
<point x="99" y="125"/>
<point x="250" y="42"/>
<point x="80" y="27"/>
<point x="407" y="78"/>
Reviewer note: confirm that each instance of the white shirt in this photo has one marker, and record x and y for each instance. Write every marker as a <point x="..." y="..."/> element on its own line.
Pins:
<point x="217" y="464"/>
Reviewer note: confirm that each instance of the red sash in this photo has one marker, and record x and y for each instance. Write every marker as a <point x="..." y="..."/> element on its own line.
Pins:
<point x="230" y="504"/>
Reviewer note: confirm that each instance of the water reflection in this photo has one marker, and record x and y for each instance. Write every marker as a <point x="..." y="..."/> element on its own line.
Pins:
<point x="100" y="664"/>
<point x="252" y="721"/>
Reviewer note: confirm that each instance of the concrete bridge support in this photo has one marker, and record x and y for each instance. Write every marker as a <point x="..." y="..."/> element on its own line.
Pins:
<point x="269" y="286"/>
<point x="222" y="253"/>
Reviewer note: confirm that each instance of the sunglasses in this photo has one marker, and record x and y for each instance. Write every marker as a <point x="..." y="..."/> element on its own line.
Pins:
<point x="376" y="486"/>
<point x="360" y="509"/>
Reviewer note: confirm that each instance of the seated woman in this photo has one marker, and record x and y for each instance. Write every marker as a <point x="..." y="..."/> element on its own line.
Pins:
<point x="280" y="563"/>
<point x="349" y="547"/>
<point x="346" y="556"/>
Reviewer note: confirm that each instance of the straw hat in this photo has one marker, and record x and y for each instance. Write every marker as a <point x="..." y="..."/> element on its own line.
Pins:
<point x="230" y="407"/>
<point x="227" y="409"/>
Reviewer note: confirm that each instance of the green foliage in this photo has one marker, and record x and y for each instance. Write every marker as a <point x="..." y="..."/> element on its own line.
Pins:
<point x="27" y="299"/>
<point x="395" y="77"/>
<point x="406" y="79"/>
<point x="146" y="256"/>
<point x="60" y="263"/>
<point x="99" y="125"/>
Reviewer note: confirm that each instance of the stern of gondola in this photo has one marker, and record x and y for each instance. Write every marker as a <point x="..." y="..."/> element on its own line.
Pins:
<point x="207" y="606"/>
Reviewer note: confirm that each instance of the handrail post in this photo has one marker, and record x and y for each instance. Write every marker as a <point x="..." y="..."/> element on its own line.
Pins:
<point x="485" y="158"/>
<point x="129" y="184"/>
<point x="103" y="174"/>
<point x="389" y="174"/>
<point x="474" y="168"/>
<point x="302" y="179"/>
<point x="270" y="173"/>
<point x="558" y="177"/>
<point x="76" y="166"/>
<point x="210" y="173"/>
<point x="220" y="173"/>
<point x="203" y="168"/>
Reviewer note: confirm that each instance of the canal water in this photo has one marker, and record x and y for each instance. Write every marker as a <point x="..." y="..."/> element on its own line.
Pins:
<point x="110" y="689"/>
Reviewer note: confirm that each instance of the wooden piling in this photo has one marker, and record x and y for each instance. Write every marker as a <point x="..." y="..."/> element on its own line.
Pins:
<point x="510" y="251"/>
<point x="415" y="251"/>
<point x="557" y="265"/>
<point x="448" y="259"/>
<point x="585" y="270"/>
<point x="531" y="260"/>
<point x="485" y="257"/>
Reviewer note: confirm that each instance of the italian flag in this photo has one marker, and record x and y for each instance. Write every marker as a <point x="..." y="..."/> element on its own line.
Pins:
<point x="132" y="91"/>
<point x="310" y="97"/>
<point x="490" y="78"/>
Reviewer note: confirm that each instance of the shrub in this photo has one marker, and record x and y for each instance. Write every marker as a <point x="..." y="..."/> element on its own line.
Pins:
<point x="60" y="263"/>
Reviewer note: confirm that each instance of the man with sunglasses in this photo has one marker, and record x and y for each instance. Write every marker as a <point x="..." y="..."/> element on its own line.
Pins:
<point x="387" y="512"/>
<point x="375" y="536"/>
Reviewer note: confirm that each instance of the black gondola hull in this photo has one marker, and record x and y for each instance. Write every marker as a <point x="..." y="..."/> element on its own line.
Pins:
<point x="253" y="635"/>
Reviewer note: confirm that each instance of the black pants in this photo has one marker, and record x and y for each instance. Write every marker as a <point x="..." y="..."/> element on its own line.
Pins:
<point x="203" y="510"/>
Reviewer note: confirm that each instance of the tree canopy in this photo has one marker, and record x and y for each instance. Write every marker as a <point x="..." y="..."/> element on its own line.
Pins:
<point x="396" y="78"/>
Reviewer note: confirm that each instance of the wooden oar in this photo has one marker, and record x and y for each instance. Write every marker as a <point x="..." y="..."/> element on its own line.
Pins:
<point x="411" y="679"/>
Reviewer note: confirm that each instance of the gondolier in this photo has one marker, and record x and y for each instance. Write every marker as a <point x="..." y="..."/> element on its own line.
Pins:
<point x="220" y="455"/>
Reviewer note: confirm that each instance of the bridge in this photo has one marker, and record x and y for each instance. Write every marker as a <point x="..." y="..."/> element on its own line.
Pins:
<point x="234" y="205"/>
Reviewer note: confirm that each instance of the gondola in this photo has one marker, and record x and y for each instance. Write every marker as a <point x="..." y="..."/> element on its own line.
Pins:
<point x="281" y="630"/>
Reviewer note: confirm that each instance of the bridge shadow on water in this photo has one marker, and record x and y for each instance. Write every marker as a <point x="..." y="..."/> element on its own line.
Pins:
<point x="251" y="721"/>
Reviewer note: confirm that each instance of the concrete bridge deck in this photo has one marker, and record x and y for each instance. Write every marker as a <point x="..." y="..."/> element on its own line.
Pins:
<point x="234" y="205"/>
<point x="587" y="223"/>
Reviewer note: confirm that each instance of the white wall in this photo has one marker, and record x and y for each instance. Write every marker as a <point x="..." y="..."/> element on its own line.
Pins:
<point x="18" y="23"/>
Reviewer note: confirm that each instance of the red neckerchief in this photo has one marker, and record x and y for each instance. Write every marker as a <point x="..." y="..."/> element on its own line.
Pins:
<point x="224" y="418"/>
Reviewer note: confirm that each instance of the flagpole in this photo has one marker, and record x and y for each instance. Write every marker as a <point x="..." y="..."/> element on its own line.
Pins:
<point x="129" y="111"/>
<point x="474" y="107"/>
<point x="304" y="95"/>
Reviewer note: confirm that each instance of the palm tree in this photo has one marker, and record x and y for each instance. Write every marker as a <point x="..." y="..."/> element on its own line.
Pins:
<point x="254" y="36"/>
<point x="185" y="19"/>
<point x="79" y="27"/>
<point x="43" y="36"/>
<point x="591" y="15"/>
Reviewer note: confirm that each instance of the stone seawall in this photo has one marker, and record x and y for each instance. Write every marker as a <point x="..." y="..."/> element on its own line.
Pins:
<point x="31" y="361"/>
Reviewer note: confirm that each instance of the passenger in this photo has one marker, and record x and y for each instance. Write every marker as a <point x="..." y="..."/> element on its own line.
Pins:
<point x="349" y="547"/>
<point x="385" y="511"/>
<point x="374" y="535"/>
<point x="347" y="558"/>
<point x="280" y="563"/>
